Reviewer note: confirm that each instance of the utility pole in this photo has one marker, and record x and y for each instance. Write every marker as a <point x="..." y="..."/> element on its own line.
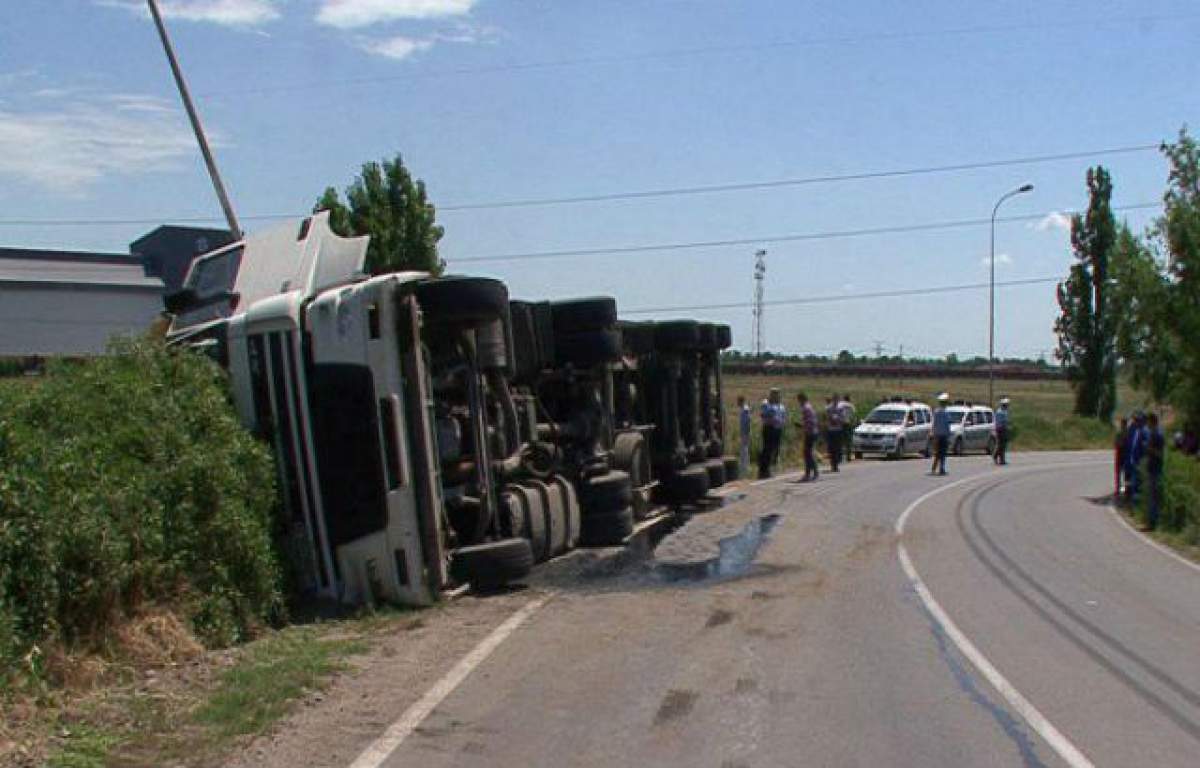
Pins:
<point x="235" y="229"/>
<point x="760" y="276"/>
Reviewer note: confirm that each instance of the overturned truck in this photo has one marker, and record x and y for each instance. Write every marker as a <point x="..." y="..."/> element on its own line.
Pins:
<point x="429" y="432"/>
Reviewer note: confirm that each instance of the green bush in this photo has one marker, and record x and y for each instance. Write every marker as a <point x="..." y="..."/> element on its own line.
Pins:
<point x="1180" y="510"/>
<point x="127" y="481"/>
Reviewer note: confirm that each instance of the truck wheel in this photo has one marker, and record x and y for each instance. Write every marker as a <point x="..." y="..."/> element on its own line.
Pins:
<point x="512" y="519"/>
<point x="637" y="338"/>
<point x="686" y="485"/>
<point x="716" y="473"/>
<point x="535" y="524"/>
<point x="585" y="349"/>
<point x="609" y="528"/>
<point x="733" y="468"/>
<point x="724" y="337"/>
<point x="629" y="454"/>
<point x="490" y="566"/>
<point x="677" y="335"/>
<point x="708" y="336"/>
<point x="590" y="314"/>
<point x="571" y="508"/>
<point x="462" y="300"/>
<point x="556" y="517"/>
<point x="605" y="494"/>
<point x="526" y="348"/>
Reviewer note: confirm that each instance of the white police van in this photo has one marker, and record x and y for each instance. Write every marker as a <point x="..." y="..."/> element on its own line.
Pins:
<point x="894" y="429"/>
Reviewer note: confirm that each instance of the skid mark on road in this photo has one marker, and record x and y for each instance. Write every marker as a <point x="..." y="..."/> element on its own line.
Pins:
<point x="1005" y="577"/>
<point x="1044" y="728"/>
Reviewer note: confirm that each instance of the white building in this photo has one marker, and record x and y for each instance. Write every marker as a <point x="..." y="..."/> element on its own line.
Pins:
<point x="62" y="303"/>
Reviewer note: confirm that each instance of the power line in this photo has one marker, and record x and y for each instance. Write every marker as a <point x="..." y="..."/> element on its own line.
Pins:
<point x="761" y="47"/>
<point x="632" y="194"/>
<point x="848" y="297"/>
<point x="795" y="182"/>
<point x="829" y="235"/>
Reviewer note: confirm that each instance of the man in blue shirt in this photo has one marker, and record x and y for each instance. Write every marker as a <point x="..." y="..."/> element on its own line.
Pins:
<point x="1001" y="455"/>
<point x="941" y="435"/>
<point x="1156" y="446"/>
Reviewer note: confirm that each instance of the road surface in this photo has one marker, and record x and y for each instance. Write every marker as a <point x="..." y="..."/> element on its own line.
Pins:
<point x="825" y="652"/>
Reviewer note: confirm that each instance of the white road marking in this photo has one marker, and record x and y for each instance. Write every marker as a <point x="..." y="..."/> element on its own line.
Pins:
<point x="383" y="747"/>
<point x="1037" y="721"/>
<point x="1151" y="542"/>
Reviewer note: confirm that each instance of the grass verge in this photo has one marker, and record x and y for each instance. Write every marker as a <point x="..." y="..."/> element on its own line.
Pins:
<point x="196" y="715"/>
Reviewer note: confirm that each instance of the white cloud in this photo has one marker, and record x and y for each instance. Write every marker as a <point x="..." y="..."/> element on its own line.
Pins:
<point x="1055" y="220"/>
<point x="67" y="147"/>
<point x="229" y="13"/>
<point x="355" y="14"/>
<point x="398" y="47"/>
<point x="1002" y="260"/>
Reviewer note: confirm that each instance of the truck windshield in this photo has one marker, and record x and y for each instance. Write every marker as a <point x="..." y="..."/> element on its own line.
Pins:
<point x="886" y="416"/>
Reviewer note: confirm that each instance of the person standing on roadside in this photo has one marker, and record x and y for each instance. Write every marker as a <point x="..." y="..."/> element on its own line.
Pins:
<point x="808" y="426"/>
<point x="833" y="432"/>
<point x="1133" y="456"/>
<point x="1001" y="455"/>
<point x="849" y="417"/>
<point x="773" y="416"/>
<point x="744" y="423"/>
<point x="1156" y="446"/>
<point x="1120" y="449"/>
<point x="941" y="435"/>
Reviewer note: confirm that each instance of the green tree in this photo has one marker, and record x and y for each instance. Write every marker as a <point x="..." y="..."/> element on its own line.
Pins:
<point x="387" y="203"/>
<point x="1086" y="339"/>
<point x="1144" y="337"/>
<point x="1178" y="233"/>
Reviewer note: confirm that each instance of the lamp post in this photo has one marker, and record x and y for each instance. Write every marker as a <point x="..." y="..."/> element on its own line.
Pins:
<point x="992" y="296"/>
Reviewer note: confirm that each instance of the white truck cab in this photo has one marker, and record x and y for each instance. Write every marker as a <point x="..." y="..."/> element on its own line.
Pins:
<point x="894" y="429"/>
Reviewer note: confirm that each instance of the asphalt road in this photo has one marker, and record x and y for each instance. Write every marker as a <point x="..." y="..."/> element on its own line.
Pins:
<point x="824" y="654"/>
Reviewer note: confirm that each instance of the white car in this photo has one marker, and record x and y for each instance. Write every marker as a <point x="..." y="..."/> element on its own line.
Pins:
<point x="894" y="429"/>
<point x="972" y="428"/>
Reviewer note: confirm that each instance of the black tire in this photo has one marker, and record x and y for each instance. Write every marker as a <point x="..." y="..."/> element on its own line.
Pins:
<point x="708" y="335"/>
<point x="608" y="529"/>
<point x="605" y="494"/>
<point x="590" y="314"/>
<point x="637" y="338"/>
<point x="630" y="455"/>
<point x="716" y="473"/>
<point x="724" y="337"/>
<point x="733" y="468"/>
<point x="858" y="454"/>
<point x="492" y="565"/>
<point x="686" y="485"/>
<point x="991" y="446"/>
<point x="585" y="349"/>
<point x="526" y="346"/>
<point x="536" y="530"/>
<point x="676" y="335"/>
<point x="459" y="300"/>
<point x="555" y="525"/>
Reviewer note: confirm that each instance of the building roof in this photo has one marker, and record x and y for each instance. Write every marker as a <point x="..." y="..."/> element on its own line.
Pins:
<point x="73" y="269"/>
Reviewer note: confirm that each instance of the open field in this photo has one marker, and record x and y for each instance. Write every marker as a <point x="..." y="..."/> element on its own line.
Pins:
<point x="1041" y="410"/>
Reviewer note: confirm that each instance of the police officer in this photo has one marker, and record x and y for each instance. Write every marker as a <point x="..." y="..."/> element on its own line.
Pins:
<point x="941" y="435"/>
<point x="1001" y="455"/>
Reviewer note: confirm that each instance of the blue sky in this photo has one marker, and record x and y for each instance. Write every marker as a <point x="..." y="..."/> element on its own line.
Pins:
<point x="515" y="99"/>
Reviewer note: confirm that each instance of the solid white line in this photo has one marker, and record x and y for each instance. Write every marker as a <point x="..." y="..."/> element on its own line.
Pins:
<point x="1037" y="721"/>
<point x="383" y="747"/>
<point x="1151" y="542"/>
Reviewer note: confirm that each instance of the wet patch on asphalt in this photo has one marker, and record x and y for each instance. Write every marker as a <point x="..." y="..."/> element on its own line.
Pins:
<point x="675" y="704"/>
<point x="1008" y="722"/>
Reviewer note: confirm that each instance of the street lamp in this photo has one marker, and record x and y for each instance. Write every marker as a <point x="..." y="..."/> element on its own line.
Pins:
<point x="992" y="297"/>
